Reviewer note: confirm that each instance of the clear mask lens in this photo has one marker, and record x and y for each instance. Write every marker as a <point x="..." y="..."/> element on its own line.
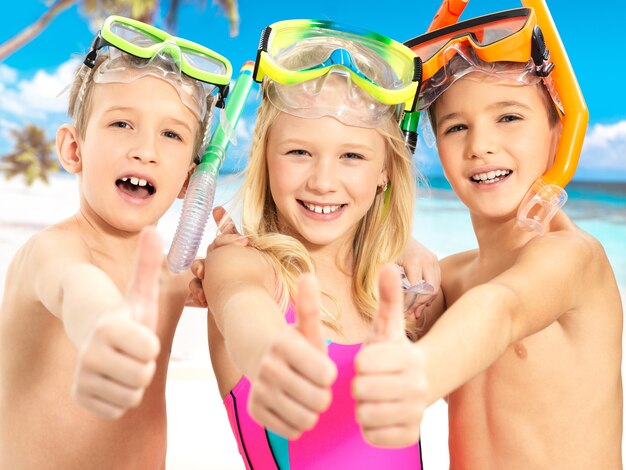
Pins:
<point x="463" y="61"/>
<point x="124" y="68"/>
<point x="132" y="35"/>
<point x="333" y="94"/>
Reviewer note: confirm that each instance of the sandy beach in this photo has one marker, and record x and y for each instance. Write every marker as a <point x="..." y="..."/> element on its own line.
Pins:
<point x="199" y="433"/>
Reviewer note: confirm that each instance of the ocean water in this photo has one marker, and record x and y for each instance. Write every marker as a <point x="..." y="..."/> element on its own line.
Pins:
<point x="442" y="223"/>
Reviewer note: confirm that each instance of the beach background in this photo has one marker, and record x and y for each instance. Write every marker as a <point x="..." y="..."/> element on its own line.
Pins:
<point x="34" y="73"/>
<point x="199" y="433"/>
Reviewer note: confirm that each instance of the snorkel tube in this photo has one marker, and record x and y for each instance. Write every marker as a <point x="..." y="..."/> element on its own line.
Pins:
<point x="448" y="13"/>
<point x="201" y="191"/>
<point x="547" y="196"/>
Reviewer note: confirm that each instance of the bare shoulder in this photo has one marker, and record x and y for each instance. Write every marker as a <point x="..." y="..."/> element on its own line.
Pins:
<point x="454" y="268"/>
<point x="39" y="265"/>
<point x="564" y="274"/>
<point x="50" y="247"/>
<point x="241" y="264"/>
<point x="458" y="260"/>
<point x="570" y="247"/>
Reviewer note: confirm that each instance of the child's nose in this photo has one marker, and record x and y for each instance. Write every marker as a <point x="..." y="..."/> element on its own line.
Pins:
<point x="144" y="149"/>
<point x="323" y="176"/>
<point x="481" y="142"/>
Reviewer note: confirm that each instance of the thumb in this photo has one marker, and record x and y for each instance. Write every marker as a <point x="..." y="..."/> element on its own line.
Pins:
<point x="308" y="311"/>
<point x="143" y="291"/>
<point x="388" y="323"/>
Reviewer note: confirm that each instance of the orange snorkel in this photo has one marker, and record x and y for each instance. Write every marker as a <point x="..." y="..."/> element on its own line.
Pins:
<point x="448" y="14"/>
<point x="547" y="195"/>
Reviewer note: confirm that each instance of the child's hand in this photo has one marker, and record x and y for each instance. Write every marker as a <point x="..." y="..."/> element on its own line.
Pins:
<point x="292" y="385"/>
<point x="389" y="388"/>
<point x="118" y="360"/>
<point x="227" y="234"/>
<point x="420" y="263"/>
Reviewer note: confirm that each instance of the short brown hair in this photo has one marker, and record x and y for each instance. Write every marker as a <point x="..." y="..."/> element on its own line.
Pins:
<point x="553" y="113"/>
<point x="81" y="95"/>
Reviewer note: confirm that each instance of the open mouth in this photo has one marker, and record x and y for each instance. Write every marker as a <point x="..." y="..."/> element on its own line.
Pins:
<point x="325" y="209"/>
<point x="135" y="187"/>
<point x="490" y="177"/>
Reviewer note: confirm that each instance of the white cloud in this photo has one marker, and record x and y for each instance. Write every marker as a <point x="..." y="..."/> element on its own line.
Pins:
<point x="605" y="146"/>
<point x="7" y="75"/>
<point x="36" y="97"/>
<point x="5" y="130"/>
<point x="244" y="129"/>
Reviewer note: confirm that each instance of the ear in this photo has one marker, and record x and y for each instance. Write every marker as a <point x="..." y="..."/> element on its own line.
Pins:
<point x="183" y="190"/>
<point x="68" y="149"/>
<point x="383" y="179"/>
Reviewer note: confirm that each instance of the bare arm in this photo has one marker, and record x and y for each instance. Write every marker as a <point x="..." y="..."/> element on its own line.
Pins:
<point x="545" y="283"/>
<point x="396" y="380"/>
<point x="287" y="365"/>
<point x="113" y="333"/>
<point x="237" y="286"/>
<point x="68" y="284"/>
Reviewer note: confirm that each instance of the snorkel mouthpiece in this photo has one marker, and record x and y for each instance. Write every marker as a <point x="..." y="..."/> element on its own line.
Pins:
<point x="547" y="195"/>
<point x="540" y="204"/>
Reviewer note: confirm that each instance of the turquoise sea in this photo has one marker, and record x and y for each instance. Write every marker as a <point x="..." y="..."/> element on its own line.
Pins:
<point x="442" y="223"/>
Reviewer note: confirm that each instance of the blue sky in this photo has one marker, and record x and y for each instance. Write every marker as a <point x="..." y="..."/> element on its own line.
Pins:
<point x="31" y="78"/>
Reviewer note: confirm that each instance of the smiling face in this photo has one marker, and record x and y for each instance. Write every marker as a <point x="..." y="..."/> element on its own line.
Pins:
<point x="136" y="153"/>
<point x="494" y="139"/>
<point x="323" y="176"/>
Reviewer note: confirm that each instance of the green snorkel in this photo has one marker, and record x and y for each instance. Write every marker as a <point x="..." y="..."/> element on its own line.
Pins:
<point x="201" y="191"/>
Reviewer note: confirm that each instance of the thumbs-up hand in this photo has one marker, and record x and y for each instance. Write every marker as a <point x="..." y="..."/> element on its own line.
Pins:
<point x="389" y="387"/>
<point x="118" y="360"/>
<point x="292" y="384"/>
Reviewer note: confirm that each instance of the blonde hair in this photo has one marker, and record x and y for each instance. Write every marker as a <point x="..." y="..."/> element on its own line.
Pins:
<point x="81" y="97"/>
<point x="380" y="237"/>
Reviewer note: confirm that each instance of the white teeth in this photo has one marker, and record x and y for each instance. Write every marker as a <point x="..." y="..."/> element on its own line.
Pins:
<point x="490" y="176"/>
<point x="321" y="209"/>
<point x="135" y="181"/>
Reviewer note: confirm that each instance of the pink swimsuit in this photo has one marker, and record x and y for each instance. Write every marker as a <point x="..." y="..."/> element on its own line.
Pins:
<point x="335" y="442"/>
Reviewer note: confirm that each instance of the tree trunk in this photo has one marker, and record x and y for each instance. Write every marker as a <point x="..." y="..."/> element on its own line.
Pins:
<point x="29" y="33"/>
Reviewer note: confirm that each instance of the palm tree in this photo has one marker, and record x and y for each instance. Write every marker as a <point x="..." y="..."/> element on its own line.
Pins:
<point x="33" y="156"/>
<point x="97" y="10"/>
